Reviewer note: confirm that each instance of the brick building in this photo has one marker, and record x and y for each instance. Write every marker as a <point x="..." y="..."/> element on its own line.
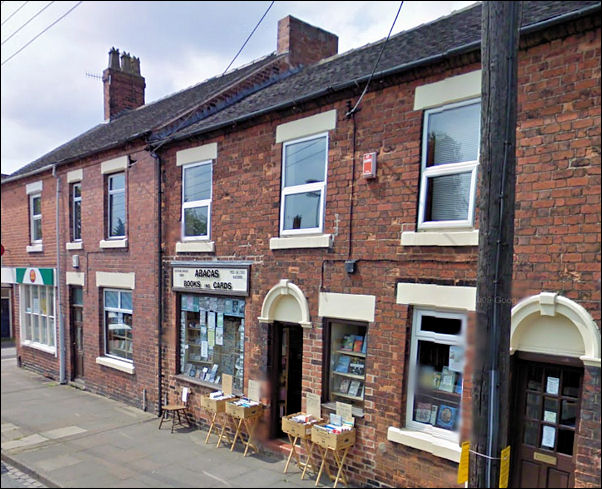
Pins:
<point x="279" y="261"/>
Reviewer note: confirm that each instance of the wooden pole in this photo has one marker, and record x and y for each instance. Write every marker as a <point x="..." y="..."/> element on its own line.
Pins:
<point x="497" y="176"/>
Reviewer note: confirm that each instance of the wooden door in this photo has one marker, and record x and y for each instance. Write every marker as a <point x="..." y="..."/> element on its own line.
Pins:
<point x="547" y="410"/>
<point x="77" y="331"/>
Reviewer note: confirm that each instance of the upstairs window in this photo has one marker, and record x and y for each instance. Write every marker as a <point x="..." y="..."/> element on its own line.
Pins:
<point x="35" y="217"/>
<point x="304" y="164"/>
<point x="118" y="323"/>
<point x="196" y="200"/>
<point x="450" y="156"/>
<point x="117" y="219"/>
<point x="76" y="210"/>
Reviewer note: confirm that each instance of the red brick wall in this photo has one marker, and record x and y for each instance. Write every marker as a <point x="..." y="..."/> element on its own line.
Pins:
<point x="556" y="162"/>
<point x="139" y="257"/>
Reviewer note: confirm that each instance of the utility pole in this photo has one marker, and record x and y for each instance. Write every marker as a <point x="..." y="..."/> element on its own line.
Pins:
<point x="499" y="50"/>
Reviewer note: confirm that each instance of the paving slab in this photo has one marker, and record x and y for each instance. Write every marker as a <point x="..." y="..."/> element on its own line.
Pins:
<point x="73" y="438"/>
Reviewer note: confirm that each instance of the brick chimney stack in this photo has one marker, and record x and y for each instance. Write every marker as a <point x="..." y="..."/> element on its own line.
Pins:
<point x="304" y="43"/>
<point x="123" y="84"/>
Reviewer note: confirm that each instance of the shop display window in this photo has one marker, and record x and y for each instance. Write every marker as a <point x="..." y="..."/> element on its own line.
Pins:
<point x="347" y="369"/>
<point x="436" y="372"/>
<point x="212" y="332"/>
<point x="37" y="308"/>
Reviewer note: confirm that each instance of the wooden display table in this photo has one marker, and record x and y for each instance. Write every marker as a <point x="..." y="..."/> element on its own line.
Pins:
<point x="247" y="417"/>
<point x="298" y="431"/>
<point x="217" y="407"/>
<point x="339" y="444"/>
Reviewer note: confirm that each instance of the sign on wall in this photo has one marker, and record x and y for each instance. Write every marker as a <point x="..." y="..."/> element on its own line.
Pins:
<point x="34" y="276"/>
<point x="225" y="280"/>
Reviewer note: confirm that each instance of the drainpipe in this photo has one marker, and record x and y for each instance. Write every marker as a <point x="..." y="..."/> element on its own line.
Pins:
<point x="159" y="284"/>
<point x="59" y="308"/>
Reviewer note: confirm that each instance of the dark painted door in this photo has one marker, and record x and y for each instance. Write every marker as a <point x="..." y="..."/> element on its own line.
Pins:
<point x="548" y="408"/>
<point x="5" y="317"/>
<point x="77" y="331"/>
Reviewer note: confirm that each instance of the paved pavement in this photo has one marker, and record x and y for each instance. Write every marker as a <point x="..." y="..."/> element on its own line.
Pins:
<point x="13" y="477"/>
<point x="65" y="437"/>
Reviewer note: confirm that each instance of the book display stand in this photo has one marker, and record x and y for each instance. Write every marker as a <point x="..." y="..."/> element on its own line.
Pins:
<point x="244" y="415"/>
<point x="336" y="443"/>
<point x="298" y="427"/>
<point x="217" y="407"/>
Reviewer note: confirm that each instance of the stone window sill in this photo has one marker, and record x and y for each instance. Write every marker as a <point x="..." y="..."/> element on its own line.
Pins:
<point x="74" y="245"/>
<point x="40" y="346"/>
<point x="120" y="365"/>
<point x="195" y="247"/>
<point x="440" y="238"/>
<point x="36" y="248"/>
<point x="423" y="441"/>
<point x="114" y="243"/>
<point x="293" y="242"/>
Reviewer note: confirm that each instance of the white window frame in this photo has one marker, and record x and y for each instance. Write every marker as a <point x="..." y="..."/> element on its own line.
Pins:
<point x="300" y="189"/>
<point x="26" y="339"/>
<point x="75" y="199"/>
<point x="35" y="217"/>
<point x="110" y="193"/>
<point x="116" y="309"/>
<point x="443" y="170"/>
<point x="444" y="339"/>
<point x="197" y="203"/>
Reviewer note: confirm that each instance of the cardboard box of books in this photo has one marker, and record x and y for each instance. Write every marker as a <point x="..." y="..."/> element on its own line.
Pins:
<point x="216" y="404"/>
<point x="243" y="408"/>
<point x="328" y="436"/>
<point x="299" y="424"/>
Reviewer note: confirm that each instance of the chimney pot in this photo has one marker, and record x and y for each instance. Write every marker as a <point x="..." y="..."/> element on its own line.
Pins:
<point x="123" y="84"/>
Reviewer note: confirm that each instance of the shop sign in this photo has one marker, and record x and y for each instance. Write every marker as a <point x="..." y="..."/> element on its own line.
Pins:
<point x="34" y="276"/>
<point x="212" y="280"/>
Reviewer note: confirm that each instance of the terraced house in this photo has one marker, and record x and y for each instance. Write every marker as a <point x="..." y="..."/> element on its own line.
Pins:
<point x="241" y="209"/>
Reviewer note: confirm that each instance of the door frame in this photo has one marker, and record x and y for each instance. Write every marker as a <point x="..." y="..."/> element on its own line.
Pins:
<point x="274" y="365"/>
<point x="11" y="329"/>
<point x="517" y="360"/>
<point x="75" y="373"/>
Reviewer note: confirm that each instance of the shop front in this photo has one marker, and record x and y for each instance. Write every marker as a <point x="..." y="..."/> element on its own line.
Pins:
<point x="210" y="303"/>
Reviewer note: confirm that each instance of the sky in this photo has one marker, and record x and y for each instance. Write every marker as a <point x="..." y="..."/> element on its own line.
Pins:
<point x="49" y="98"/>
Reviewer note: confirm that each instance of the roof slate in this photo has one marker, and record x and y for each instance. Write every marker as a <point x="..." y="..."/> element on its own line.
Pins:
<point x="448" y="33"/>
<point x="435" y="38"/>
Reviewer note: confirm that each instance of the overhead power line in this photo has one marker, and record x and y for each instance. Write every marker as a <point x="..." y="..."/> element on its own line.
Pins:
<point x="11" y="15"/>
<point x="32" y="40"/>
<point x="252" y="32"/>
<point x="30" y="19"/>
<point x="352" y="111"/>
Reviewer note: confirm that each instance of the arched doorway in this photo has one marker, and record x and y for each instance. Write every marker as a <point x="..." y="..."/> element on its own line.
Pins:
<point x="286" y="311"/>
<point x="552" y="338"/>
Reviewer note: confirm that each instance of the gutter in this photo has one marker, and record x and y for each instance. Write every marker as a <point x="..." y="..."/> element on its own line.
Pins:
<point x="463" y="49"/>
<point x="62" y="350"/>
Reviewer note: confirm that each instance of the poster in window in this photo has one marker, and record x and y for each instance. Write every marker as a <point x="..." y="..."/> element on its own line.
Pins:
<point x="456" y="358"/>
<point x="434" y="412"/>
<point x="219" y="335"/>
<point x="211" y="320"/>
<point x="448" y="380"/>
<point x="548" y="437"/>
<point x="354" y="388"/>
<point x="423" y="412"/>
<point x="447" y="417"/>
<point x="356" y="367"/>
<point x="344" y="386"/>
<point x="343" y="364"/>
<point x="204" y="349"/>
<point x="552" y="385"/>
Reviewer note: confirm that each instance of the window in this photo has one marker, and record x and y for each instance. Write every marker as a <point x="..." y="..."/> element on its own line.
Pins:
<point x="37" y="313"/>
<point x="436" y="368"/>
<point x="76" y="210"/>
<point x="304" y="163"/>
<point x="212" y="338"/>
<point x="117" y="215"/>
<point x="196" y="200"/>
<point x="118" y="323"/>
<point x="450" y="156"/>
<point x="347" y="373"/>
<point x="35" y="213"/>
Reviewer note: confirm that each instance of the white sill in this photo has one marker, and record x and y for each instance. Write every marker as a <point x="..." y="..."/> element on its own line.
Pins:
<point x="74" y="245"/>
<point x="35" y="248"/>
<point x="292" y="242"/>
<point x="440" y="238"/>
<point x="195" y="247"/>
<point x="126" y="367"/>
<point x="114" y="243"/>
<point x="39" y="346"/>
<point x="425" y="442"/>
